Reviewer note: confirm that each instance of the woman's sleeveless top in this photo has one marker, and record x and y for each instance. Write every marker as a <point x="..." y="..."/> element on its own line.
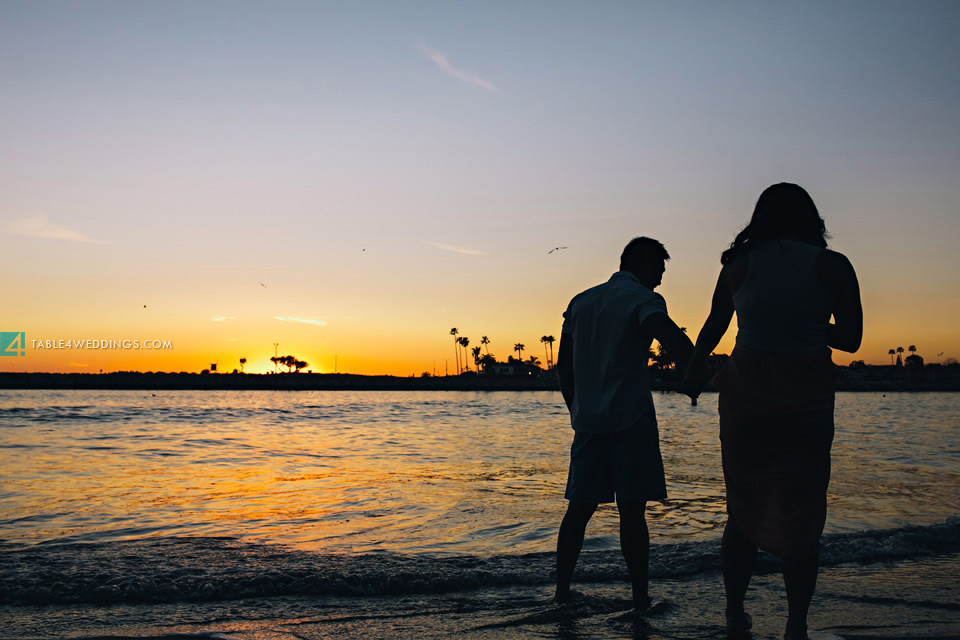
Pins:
<point x="781" y="307"/>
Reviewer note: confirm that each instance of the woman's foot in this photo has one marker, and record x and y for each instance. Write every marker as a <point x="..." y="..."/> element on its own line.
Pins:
<point x="652" y="605"/>
<point x="795" y="631"/>
<point x="566" y="596"/>
<point x="738" y="623"/>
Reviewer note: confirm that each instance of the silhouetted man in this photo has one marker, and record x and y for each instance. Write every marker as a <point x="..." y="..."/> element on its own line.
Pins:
<point x="602" y="364"/>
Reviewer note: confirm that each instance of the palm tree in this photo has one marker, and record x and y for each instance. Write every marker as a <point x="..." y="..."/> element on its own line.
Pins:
<point x="485" y="341"/>
<point x="243" y="361"/>
<point x="486" y="361"/>
<point x="661" y="360"/>
<point x="912" y="349"/>
<point x="519" y="349"/>
<point x="892" y="353"/>
<point x="533" y="361"/>
<point x="899" y="354"/>
<point x="456" y="350"/>
<point x="476" y="357"/>
<point x="464" y="342"/>
<point x="549" y="340"/>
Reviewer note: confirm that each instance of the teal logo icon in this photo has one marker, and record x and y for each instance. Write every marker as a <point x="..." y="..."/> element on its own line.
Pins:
<point x="13" y="343"/>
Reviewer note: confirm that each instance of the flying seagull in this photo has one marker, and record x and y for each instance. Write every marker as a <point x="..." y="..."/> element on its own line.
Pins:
<point x="555" y="249"/>
<point x="263" y="285"/>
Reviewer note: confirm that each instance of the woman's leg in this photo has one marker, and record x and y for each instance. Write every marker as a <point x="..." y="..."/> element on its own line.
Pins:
<point x="800" y="579"/>
<point x="737" y="557"/>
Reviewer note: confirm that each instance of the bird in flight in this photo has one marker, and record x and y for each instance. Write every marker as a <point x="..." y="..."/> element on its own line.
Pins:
<point x="263" y="285"/>
<point x="555" y="249"/>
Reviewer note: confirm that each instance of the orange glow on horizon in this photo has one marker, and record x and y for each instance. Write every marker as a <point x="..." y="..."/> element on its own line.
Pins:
<point x="434" y="356"/>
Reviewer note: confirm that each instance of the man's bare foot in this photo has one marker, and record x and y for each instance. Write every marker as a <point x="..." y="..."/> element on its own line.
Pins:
<point x="738" y="624"/>
<point x="795" y="632"/>
<point x="651" y="607"/>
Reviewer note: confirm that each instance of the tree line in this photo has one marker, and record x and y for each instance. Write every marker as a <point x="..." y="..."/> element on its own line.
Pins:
<point x="913" y="359"/>
<point x="483" y="359"/>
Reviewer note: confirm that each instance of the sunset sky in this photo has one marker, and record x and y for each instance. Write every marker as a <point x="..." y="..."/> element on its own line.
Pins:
<point x="353" y="179"/>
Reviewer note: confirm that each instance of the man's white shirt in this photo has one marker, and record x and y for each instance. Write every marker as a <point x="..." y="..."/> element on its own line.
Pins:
<point x="610" y="354"/>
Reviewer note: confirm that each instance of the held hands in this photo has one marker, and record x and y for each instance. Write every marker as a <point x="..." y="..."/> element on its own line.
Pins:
<point x="693" y="382"/>
<point x="689" y="388"/>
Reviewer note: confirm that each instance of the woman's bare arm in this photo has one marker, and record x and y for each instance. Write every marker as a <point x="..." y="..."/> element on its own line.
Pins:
<point x="716" y="324"/>
<point x="838" y="278"/>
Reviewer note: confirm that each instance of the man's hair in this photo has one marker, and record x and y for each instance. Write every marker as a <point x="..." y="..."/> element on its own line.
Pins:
<point x="639" y="249"/>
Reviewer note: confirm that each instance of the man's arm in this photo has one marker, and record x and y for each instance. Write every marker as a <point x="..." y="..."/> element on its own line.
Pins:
<point x="667" y="333"/>
<point x="565" y="369"/>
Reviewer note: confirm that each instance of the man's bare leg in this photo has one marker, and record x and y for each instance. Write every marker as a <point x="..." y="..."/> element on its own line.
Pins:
<point x="635" y="545"/>
<point x="569" y="543"/>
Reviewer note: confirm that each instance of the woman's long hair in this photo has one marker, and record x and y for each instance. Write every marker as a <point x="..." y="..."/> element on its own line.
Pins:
<point x="783" y="209"/>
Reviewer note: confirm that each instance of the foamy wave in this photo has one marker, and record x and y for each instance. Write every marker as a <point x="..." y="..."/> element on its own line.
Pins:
<point x="211" y="569"/>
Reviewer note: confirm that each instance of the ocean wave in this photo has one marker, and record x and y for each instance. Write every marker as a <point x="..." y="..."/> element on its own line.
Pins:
<point x="348" y="412"/>
<point x="11" y="416"/>
<point x="189" y="569"/>
<point x="18" y="416"/>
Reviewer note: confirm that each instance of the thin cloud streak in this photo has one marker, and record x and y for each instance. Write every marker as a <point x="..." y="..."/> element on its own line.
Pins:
<point x="321" y="323"/>
<point x="40" y="227"/>
<point x="448" y="247"/>
<point x="440" y="59"/>
<point x="222" y="318"/>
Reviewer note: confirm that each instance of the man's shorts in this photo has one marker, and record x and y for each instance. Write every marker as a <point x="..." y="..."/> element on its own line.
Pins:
<point x="623" y="465"/>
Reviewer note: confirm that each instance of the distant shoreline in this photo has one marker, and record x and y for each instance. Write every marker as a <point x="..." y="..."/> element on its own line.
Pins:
<point x="350" y="382"/>
<point x="271" y="382"/>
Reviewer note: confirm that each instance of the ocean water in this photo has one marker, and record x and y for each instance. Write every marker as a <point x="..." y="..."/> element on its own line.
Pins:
<point x="180" y="505"/>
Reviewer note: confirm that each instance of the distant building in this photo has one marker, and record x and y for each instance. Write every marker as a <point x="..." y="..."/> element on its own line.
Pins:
<point x="514" y="369"/>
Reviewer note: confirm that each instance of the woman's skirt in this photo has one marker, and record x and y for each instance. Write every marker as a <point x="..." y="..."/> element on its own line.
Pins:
<point x="776" y="430"/>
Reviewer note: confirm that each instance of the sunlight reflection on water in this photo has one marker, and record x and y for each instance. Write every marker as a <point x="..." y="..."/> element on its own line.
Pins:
<point x="441" y="472"/>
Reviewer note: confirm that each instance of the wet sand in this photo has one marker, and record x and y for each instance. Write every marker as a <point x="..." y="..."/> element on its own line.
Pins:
<point x="879" y="601"/>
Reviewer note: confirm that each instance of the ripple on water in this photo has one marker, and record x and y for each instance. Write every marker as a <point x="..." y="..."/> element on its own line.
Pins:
<point x="360" y="471"/>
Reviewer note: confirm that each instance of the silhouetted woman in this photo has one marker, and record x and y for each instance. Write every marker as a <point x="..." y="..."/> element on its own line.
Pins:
<point x="777" y="392"/>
